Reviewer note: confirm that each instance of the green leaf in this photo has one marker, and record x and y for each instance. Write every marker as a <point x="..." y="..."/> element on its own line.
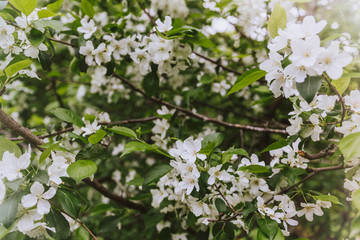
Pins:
<point x="341" y="84"/>
<point x="293" y="173"/>
<point x="237" y="151"/>
<point x="210" y="142"/>
<point x="45" y="13"/>
<point x="269" y="227"/>
<point x="3" y="4"/>
<point x="220" y="205"/>
<point x="41" y="176"/>
<point x="134" y="146"/>
<point x="45" y="60"/>
<point x="356" y="199"/>
<point x="16" y="67"/>
<point x="277" y="20"/>
<point x="124" y="131"/>
<point x="46" y="153"/>
<point x="69" y="202"/>
<point x="67" y="116"/>
<point x="56" y="6"/>
<point x="8" y="209"/>
<point x="87" y="8"/>
<point x="150" y="83"/>
<point x="329" y="198"/>
<point x="309" y="87"/>
<point x="254" y="169"/>
<point x="246" y="79"/>
<point x="44" y="23"/>
<point x="349" y="146"/>
<point x="24" y="6"/>
<point x="156" y="172"/>
<point x="95" y="138"/>
<point x="81" y="169"/>
<point x="7" y="145"/>
<point x="276" y="145"/>
<point x="55" y="219"/>
<point x="199" y="39"/>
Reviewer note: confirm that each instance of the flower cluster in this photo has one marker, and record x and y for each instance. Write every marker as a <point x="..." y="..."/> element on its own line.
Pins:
<point x="300" y="43"/>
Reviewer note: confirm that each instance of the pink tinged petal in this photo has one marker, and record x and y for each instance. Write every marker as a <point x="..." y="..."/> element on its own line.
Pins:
<point x="37" y="189"/>
<point x="50" y="193"/>
<point x="43" y="207"/>
<point x="29" y="201"/>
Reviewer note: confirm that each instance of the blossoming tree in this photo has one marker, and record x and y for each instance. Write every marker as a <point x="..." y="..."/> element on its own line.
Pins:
<point x="174" y="119"/>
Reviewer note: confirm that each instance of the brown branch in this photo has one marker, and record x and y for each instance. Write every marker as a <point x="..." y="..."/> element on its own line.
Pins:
<point x="140" y="120"/>
<point x="199" y="116"/>
<point x="15" y="127"/>
<point x="122" y="201"/>
<point x="147" y="13"/>
<point x="330" y="150"/>
<point x="222" y="195"/>
<point x="80" y="222"/>
<point x="63" y="42"/>
<point x="218" y="63"/>
<point x="340" y="98"/>
<point x="10" y="123"/>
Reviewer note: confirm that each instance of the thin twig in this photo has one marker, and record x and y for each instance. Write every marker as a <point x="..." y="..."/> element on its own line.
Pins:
<point x="69" y="129"/>
<point x="147" y="13"/>
<point x="330" y="150"/>
<point x="63" y="42"/>
<point x="80" y="222"/>
<point x="313" y="171"/>
<point x="340" y="98"/>
<point x="199" y="116"/>
<point x="107" y="193"/>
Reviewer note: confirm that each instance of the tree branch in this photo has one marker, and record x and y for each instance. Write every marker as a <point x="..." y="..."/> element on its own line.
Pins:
<point x="122" y="201"/>
<point x="15" y="127"/>
<point x="69" y="129"/>
<point x="330" y="150"/>
<point x="199" y="116"/>
<point x="340" y="98"/>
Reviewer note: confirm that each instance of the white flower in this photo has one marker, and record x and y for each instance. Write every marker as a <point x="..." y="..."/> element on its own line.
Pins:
<point x="87" y="27"/>
<point x="332" y="61"/>
<point x="90" y="128"/>
<point x="305" y="52"/>
<point x="254" y="161"/>
<point x="6" y="33"/>
<point x="38" y="197"/>
<point x="191" y="150"/>
<point x="164" y="27"/>
<point x="309" y="209"/>
<point x="102" y="53"/>
<point x="215" y="172"/>
<point x="11" y="166"/>
<point x="309" y="27"/>
<point x="295" y="125"/>
<point x="164" y="111"/>
<point x="198" y="207"/>
<point x="189" y="182"/>
<point x="57" y="169"/>
<point x="87" y="51"/>
<point x="161" y="126"/>
<point x="353" y="100"/>
<point x="314" y="130"/>
<point x="27" y="218"/>
<point x="221" y="87"/>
